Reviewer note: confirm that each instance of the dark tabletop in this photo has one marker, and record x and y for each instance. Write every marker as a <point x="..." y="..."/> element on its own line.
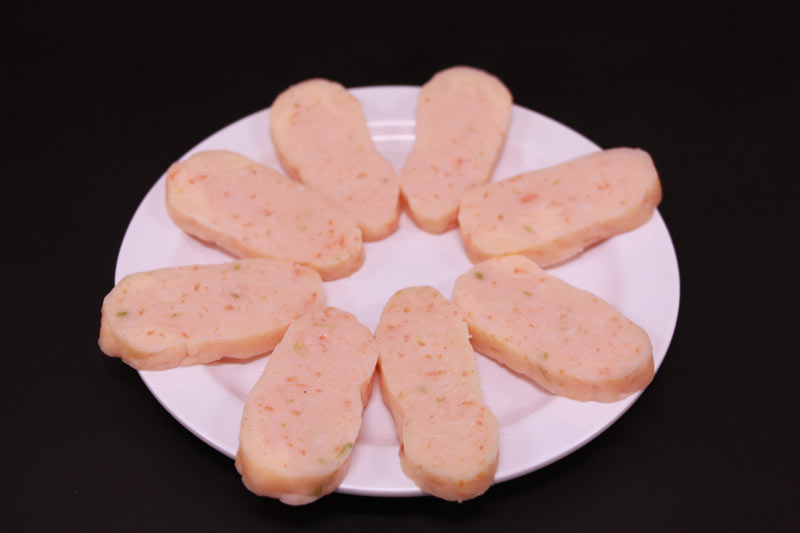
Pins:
<point x="102" y="101"/>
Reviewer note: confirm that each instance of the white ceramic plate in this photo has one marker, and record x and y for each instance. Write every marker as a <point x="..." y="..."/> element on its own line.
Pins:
<point x="637" y="272"/>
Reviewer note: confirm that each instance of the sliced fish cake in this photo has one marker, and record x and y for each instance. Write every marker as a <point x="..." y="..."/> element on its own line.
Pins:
<point x="250" y="210"/>
<point x="463" y="116"/>
<point x="552" y="214"/>
<point x="321" y="137"/>
<point x="303" y="415"/>
<point x="431" y="385"/>
<point x="192" y="315"/>
<point x="567" y="340"/>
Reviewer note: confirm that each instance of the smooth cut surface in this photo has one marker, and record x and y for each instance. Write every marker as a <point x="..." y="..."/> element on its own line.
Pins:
<point x="322" y="139"/>
<point x="197" y="314"/>
<point x="462" y="121"/>
<point x="552" y="214"/>
<point x="251" y="210"/>
<point x="567" y="340"/>
<point x="429" y="380"/>
<point x="303" y="415"/>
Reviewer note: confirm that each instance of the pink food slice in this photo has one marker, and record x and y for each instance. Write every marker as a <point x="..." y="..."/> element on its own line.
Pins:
<point x="303" y="415"/>
<point x="430" y="382"/>
<point x="552" y="214"/>
<point x="567" y="340"/>
<point x="251" y="210"/>
<point x="463" y="116"/>
<point x="192" y="315"/>
<point x="322" y="139"/>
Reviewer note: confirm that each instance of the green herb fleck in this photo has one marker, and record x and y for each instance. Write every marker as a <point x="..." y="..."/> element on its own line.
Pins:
<point x="299" y="347"/>
<point x="344" y="448"/>
<point x="237" y="266"/>
<point x="122" y="313"/>
<point x="556" y="182"/>
<point x="527" y="293"/>
<point x="545" y="375"/>
<point x="545" y="355"/>
<point x="175" y="315"/>
<point x="321" y="461"/>
<point x="422" y="389"/>
<point x="528" y="229"/>
<point x="318" y="491"/>
<point x="303" y="228"/>
<point x="420" y="342"/>
<point x="283" y="424"/>
<point x="439" y="399"/>
<point x="478" y="275"/>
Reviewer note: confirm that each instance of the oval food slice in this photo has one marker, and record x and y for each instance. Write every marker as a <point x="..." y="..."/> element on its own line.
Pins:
<point x="321" y="137"/>
<point x="303" y="415"/>
<point x="552" y="214"/>
<point x="567" y="340"/>
<point x="431" y="385"/>
<point x="251" y="210"/>
<point x="191" y="315"/>
<point x="463" y="116"/>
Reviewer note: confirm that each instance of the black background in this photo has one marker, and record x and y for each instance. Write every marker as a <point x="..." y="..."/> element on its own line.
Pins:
<point x="99" y="102"/>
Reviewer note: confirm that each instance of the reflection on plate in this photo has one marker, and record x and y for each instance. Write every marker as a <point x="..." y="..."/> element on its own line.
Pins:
<point x="636" y="272"/>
